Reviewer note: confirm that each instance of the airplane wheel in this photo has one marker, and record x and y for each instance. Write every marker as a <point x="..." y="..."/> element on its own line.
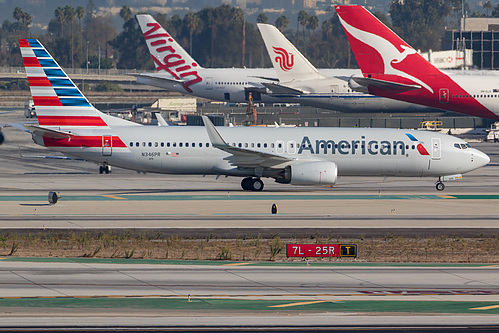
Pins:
<point x="440" y="186"/>
<point x="106" y="169"/>
<point x="256" y="185"/>
<point x="101" y="169"/>
<point x="246" y="184"/>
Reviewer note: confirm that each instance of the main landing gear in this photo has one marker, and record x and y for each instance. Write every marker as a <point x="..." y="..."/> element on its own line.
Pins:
<point x="105" y="168"/>
<point x="252" y="184"/>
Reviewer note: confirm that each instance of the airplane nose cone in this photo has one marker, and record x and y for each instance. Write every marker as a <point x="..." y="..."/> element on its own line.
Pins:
<point x="481" y="158"/>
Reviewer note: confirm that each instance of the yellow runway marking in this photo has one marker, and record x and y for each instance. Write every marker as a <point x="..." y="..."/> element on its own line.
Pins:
<point x="486" y="307"/>
<point x="491" y="266"/>
<point x="299" y="303"/>
<point x="114" y="197"/>
<point x="238" y="264"/>
<point x="447" y="196"/>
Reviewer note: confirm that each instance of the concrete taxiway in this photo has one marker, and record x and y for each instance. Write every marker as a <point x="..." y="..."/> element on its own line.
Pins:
<point x="234" y="294"/>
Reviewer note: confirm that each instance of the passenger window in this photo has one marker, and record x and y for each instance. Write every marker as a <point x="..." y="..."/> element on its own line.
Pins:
<point x="200" y="145"/>
<point x="258" y="145"/>
<point x="150" y="144"/>
<point x="143" y="144"/>
<point x="168" y="144"/>
<point x="272" y="145"/>
<point x="240" y="145"/>
<point x="155" y="144"/>
<point x="193" y="145"/>
<point x="264" y="145"/>
<point x="136" y="144"/>
<point x="252" y="145"/>
<point x="131" y="144"/>
<point x="162" y="144"/>
<point x="180" y="144"/>
<point x="187" y="144"/>
<point x="207" y="145"/>
<point x="174" y="144"/>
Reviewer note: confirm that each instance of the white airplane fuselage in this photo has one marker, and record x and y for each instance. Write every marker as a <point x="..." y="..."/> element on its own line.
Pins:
<point x="231" y="85"/>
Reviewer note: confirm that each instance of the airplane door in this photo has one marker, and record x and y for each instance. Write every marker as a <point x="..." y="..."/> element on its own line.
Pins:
<point x="107" y="145"/>
<point x="435" y="149"/>
<point x="443" y="95"/>
<point x="209" y="83"/>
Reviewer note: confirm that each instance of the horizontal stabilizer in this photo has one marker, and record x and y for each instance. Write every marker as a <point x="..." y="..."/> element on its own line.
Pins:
<point x="280" y="89"/>
<point x="384" y="85"/>
<point x="42" y="131"/>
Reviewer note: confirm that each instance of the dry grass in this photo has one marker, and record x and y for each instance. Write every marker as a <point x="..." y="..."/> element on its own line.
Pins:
<point x="156" y="246"/>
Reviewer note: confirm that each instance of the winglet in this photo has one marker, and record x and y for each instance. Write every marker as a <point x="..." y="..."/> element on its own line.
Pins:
<point x="161" y="120"/>
<point x="216" y="139"/>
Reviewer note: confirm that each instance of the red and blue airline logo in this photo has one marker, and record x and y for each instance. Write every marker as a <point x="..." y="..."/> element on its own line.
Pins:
<point x="421" y="149"/>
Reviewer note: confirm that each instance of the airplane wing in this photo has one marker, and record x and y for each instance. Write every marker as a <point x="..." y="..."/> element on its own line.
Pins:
<point x="243" y="157"/>
<point x="281" y="89"/>
<point x="384" y="85"/>
<point x="146" y="78"/>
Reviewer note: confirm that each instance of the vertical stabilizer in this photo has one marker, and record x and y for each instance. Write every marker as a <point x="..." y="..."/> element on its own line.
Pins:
<point x="168" y="56"/>
<point x="288" y="62"/>
<point x="64" y="114"/>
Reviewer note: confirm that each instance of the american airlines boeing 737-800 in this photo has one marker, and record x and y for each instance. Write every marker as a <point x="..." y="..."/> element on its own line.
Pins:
<point x="68" y="123"/>
<point x="296" y="80"/>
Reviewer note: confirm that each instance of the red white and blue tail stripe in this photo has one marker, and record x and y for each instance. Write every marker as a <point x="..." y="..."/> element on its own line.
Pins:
<point x="60" y="106"/>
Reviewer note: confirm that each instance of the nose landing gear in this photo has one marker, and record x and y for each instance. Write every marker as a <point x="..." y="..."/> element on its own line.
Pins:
<point x="439" y="186"/>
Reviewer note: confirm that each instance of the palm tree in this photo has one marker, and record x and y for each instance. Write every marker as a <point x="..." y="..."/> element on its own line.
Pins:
<point x="313" y="23"/>
<point x="60" y="17"/>
<point x="126" y="13"/>
<point x="302" y="20"/>
<point x="18" y="14"/>
<point x="282" y="23"/>
<point x="262" y="18"/>
<point x="192" y="22"/>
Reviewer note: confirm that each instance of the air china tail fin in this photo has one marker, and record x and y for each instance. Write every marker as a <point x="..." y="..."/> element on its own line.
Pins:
<point x="168" y="56"/>
<point x="387" y="62"/>
<point x="288" y="62"/>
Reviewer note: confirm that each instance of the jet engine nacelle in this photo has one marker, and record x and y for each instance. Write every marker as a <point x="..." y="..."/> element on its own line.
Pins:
<point x="357" y="87"/>
<point x="312" y="173"/>
<point x="2" y="137"/>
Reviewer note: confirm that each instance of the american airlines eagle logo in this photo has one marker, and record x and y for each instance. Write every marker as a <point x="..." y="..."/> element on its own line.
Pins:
<point x="388" y="52"/>
<point x="285" y="59"/>
<point x="172" y="62"/>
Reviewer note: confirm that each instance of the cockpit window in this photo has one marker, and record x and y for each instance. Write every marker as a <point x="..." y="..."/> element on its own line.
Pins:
<point x="457" y="146"/>
<point x="464" y="146"/>
<point x="468" y="145"/>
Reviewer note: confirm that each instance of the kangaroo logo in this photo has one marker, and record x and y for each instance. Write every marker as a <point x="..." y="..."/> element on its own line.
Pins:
<point x="388" y="52"/>
<point x="284" y="59"/>
<point x="182" y="70"/>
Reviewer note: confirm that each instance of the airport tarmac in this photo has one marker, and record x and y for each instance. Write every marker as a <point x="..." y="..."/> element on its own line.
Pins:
<point x="55" y="293"/>
<point x="127" y="199"/>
